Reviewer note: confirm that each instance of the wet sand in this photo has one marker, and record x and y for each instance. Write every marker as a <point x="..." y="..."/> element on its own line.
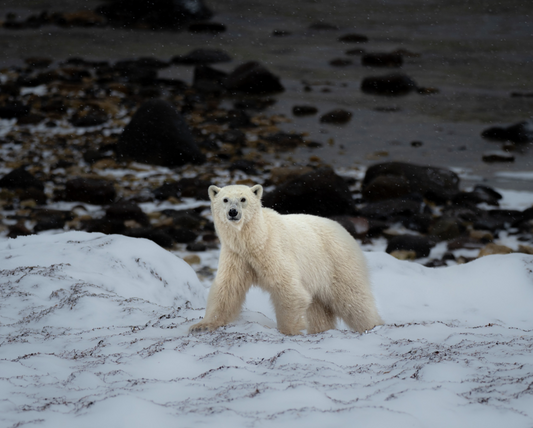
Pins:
<point x="475" y="54"/>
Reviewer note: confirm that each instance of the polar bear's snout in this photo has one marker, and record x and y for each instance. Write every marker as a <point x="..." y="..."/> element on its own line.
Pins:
<point x="234" y="214"/>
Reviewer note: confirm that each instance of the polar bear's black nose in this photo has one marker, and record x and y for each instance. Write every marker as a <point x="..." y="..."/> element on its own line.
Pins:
<point x="233" y="212"/>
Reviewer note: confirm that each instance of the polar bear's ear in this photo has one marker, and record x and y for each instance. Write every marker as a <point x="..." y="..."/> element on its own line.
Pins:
<point x="213" y="191"/>
<point x="257" y="190"/>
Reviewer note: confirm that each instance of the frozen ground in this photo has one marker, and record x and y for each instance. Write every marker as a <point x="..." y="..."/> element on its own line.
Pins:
<point x="93" y="332"/>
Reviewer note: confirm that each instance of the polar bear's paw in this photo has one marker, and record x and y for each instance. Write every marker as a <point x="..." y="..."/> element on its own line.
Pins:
<point x="203" y="327"/>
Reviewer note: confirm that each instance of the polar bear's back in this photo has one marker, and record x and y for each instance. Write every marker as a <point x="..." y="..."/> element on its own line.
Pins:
<point x="321" y="247"/>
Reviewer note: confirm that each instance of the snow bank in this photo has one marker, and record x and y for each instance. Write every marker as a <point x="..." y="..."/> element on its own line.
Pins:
<point x="94" y="332"/>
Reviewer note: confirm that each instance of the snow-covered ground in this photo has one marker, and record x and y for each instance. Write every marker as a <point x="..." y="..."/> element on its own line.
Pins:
<point x="93" y="332"/>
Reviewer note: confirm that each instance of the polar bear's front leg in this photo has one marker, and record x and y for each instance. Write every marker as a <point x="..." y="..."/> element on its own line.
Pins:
<point x="227" y="294"/>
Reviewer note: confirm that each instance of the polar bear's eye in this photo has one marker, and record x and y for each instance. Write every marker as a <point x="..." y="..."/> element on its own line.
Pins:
<point x="243" y="200"/>
<point x="226" y="200"/>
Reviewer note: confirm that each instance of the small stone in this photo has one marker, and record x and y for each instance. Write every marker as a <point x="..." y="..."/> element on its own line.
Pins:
<point x="498" y="156"/>
<point x="404" y="254"/>
<point x="491" y="249"/>
<point x="391" y="84"/>
<point x="192" y="259"/>
<point x="338" y="117"/>
<point x="253" y="78"/>
<point x="526" y="249"/>
<point x="304" y="110"/>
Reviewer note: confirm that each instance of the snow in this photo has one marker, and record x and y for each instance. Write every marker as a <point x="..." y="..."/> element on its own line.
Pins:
<point x="94" y="332"/>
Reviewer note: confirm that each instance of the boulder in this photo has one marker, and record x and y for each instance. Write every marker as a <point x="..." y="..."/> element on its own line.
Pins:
<point x="304" y="110"/>
<point x="435" y="184"/>
<point x="19" y="178"/>
<point x="253" y="78"/>
<point x="89" y="190"/>
<point x="208" y="79"/>
<point x="391" y="84"/>
<point x="126" y="210"/>
<point x="446" y="228"/>
<point x="155" y="15"/>
<point x="337" y="116"/>
<point x="320" y="192"/>
<point x="157" y="134"/>
<point x="421" y="245"/>
<point x="521" y="132"/>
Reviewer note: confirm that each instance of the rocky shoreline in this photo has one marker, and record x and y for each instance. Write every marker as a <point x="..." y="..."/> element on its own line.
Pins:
<point x="108" y="139"/>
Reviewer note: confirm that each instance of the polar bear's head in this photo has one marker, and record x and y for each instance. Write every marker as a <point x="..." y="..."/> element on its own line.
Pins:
<point x="235" y="205"/>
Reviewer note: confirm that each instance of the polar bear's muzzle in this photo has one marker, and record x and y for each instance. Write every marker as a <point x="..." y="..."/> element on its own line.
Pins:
<point x="234" y="214"/>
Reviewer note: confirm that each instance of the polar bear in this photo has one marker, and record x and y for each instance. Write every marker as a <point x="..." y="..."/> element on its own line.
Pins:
<point x="312" y="267"/>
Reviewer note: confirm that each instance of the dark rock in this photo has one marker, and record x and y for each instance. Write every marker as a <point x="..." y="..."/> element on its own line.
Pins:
<point x="33" y="194"/>
<point x="386" y="187"/>
<point x="417" y="143"/>
<point x="202" y="57"/>
<point x="90" y="119"/>
<point x="436" y="263"/>
<point x="238" y="118"/>
<point x="320" y="192"/>
<point x="391" y="84"/>
<point x="18" y="229"/>
<point x="435" y="184"/>
<point x="284" y="141"/>
<point x="207" y="27"/>
<point x="338" y="116"/>
<point x="391" y="209"/>
<point x="281" y="33"/>
<point x="304" y="110"/>
<point x="208" y="79"/>
<point x="158" y="236"/>
<point x="244" y="165"/>
<point x="19" y="178"/>
<point x="253" y="78"/>
<point x="161" y="14"/>
<point x="181" y="235"/>
<point x="382" y="59"/>
<point x="185" y="219"/>
<point x="465" y="213"/>
<point x="50" y="219"/>
<point x="446" y="228"/>
<point x="125" y="210"/>
<point x="186" y="187"/>
<point x="465" y="242"/>
<point x="521" y="132"/>
<point x="419" y="222"/>
<point x="353" y="38"/>
<point x="497" y="156"/>
<point x="134" y="72"/>
<point x="157" y="134"/>
<point x="196" y="247"/>
<point x="421" y="245"/>
<point x="13" y="111"/>
<point x="479" y="195"/>
<point x="30" y="119"/>
<point x="91" y="191"/>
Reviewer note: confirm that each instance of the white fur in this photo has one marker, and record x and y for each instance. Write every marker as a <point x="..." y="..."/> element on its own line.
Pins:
<point x="311" y="266"/>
